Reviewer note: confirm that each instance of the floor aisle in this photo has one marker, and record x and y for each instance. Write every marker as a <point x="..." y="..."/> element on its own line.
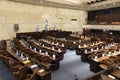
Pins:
<point x="5" y="73"/>
<point x="70" y="66"/>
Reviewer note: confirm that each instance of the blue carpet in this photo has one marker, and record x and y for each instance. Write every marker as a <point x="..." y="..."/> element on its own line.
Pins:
<point x="5" y="73"/>
<point x="71" y="66"/>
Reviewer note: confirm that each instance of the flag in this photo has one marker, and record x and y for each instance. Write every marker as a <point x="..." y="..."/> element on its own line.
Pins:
<point x="37" y="28"/>
<point x="46" y="25"/>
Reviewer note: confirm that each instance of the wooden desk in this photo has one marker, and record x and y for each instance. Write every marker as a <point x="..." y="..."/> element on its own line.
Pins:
<point x="102" y="58"/>
<point x="106" y="57"/>
<point x="84" y="56"/>
<point x="80" y="49"/>
<point x="74" y="37"/>
<point x="49" y="44"/>
<point x="116" y="73"/>
<point x="46" y="75"/>
<point x="94" y="64"/>
<point x="105" y="77"/>
<point x="71" y="44"/>
<point x="55" y="39"/>
<point x="47" y="49"/>
<point x="55" y="62"/>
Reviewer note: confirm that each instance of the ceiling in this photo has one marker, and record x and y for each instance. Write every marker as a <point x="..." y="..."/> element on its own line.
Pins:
<point x="74" y="4"/>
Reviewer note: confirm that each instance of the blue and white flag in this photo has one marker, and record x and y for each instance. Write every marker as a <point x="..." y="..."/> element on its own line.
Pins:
<point x="37" y="28"/>
<point x="46" y="25"/>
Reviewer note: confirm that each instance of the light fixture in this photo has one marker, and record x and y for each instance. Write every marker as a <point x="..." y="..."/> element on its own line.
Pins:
<point x="41" y="1"/>
<point x="104" y="5"/>
<point x="73" y="1"/>
<point x="114" y="3"/>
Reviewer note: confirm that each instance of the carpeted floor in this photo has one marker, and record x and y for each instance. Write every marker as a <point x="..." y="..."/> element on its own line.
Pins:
<point x="5" y="73"/>
<point x="71" y="66"/>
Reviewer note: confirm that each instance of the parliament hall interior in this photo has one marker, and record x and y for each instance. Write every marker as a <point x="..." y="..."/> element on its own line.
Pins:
<point x="59" y="39"/>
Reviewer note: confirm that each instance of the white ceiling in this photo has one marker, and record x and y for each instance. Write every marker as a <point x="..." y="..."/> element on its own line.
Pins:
<point x="73" y="4"/>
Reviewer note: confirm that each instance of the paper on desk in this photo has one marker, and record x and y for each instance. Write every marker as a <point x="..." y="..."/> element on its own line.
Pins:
<point x="79" y="46"/>
<point x="110" y="76"/>
<point x="103" y="55"/>
<point x="41" y="70"/>
<point x="27" y="61"/>
<point x="96" y="57"/>
<point x="54" y="57"/>
<point x="33" y="66"/>
<point x="95" y="60"/>
<point x="118" y="67"/>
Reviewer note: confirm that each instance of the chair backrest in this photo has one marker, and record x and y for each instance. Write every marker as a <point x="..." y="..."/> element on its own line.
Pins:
<point x="23" y="71"/>
<point x="3" y="45"/>
<point x="33" y="76"/>
<point x="6" y="60"/>
<point x="115" y="59"/>
<point x="46" y="61"/>
<point x="108" y="62"/>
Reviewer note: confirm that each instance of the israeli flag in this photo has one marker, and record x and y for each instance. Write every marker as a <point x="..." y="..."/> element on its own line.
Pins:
<point x="37" y="28"/>
<point x="46" y="25"/>
<point x="54" y="27"/>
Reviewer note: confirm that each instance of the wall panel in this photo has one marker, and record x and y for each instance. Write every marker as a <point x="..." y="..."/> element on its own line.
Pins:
<point x="29" y="16"/>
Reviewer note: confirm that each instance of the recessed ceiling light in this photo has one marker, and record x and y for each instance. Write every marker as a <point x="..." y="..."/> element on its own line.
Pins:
<point x="41" y="1"/>
<point x="114" y="3"/>
<point x="73" y="1"/>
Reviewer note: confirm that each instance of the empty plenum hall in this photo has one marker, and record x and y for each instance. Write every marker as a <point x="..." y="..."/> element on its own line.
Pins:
<point x="59" y="39"/>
